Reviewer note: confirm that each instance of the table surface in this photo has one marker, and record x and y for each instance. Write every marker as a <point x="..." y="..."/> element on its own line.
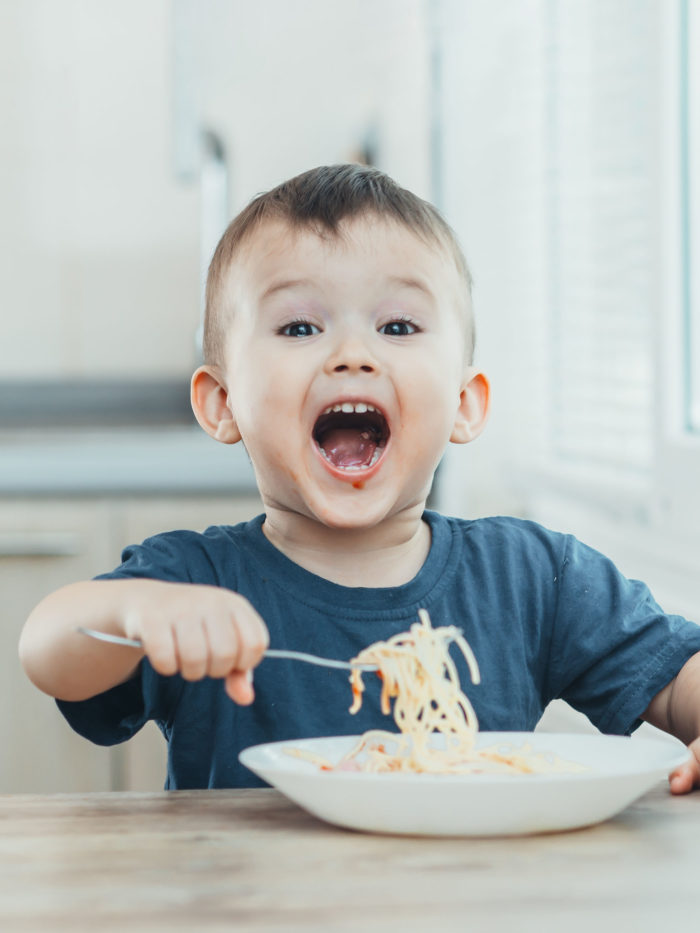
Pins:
<point x="251" y="860"/>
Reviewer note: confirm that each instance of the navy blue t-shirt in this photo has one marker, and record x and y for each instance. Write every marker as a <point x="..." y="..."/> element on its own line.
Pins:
<point x="546" y="617"/>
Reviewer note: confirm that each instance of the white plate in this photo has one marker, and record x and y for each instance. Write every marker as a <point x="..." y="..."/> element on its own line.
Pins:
<point x="618" y="770"/>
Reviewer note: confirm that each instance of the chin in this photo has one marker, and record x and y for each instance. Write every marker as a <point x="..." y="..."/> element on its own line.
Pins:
<point x="361" y="513"/>
<point x="345" y="520"/>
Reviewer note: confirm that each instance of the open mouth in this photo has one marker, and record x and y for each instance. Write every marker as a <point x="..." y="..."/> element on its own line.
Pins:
<point x="351" y="435"/>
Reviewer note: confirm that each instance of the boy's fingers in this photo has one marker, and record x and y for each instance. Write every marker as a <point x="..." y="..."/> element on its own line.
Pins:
<point x="223" y="636"/>
<point x="161" y="651"/>
<point x="685" y="778"/>
<point x="237" y="643"/>
<point x="681" y="781"/>
<point x="192" y="649"/>
<point x="239" y="686"/>
<point x="253" y="639"/>
<point x="223" y="643"/>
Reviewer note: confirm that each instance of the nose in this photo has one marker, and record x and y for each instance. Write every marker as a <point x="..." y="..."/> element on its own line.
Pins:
<point x="351" y="354"/>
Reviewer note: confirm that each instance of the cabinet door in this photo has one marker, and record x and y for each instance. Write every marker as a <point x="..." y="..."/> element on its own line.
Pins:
<point x="44" y="545"/>
<point x="142" y="761"/>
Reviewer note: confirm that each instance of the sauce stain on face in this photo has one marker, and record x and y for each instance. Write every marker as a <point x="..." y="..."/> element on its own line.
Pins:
<point x="358" y="484"/>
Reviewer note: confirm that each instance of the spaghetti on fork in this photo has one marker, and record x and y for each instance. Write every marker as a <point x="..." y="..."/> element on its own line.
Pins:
<point x="420" y="676"/>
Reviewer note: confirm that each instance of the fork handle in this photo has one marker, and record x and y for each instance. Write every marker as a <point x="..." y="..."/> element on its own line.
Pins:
<point x="270" y="653"/>
<point x="314" y="659"/>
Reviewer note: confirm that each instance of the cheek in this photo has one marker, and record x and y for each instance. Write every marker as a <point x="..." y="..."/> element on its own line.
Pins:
<point x="433" y="396"/>
<point x="260" y="383"/>
<point x="425" y="431"/>
<point x="268" y="412"/>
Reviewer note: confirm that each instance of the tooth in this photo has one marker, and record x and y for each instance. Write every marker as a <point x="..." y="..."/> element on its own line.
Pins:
<point x="360" y="408"/>
<point x="337" y="408"/>
<point x="347" y="408"/>
<point x="371" y="408"/>
<point x="328" y="410"/>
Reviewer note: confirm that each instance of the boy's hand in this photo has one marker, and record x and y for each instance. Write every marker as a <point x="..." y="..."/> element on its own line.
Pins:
<point x="197" y="631"/>
<point x="676" y="709"/>
<point x="685" y="778"/>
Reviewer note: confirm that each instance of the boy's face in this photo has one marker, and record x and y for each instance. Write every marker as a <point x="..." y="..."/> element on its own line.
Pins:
<point x="344" y="370"/>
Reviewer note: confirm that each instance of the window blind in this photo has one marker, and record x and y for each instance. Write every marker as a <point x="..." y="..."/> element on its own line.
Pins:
<point x="601" y="230"/>
<point x="690" y="200"/>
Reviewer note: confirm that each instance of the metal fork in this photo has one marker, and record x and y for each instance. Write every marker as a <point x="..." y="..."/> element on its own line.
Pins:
<point x="270" y="653"/>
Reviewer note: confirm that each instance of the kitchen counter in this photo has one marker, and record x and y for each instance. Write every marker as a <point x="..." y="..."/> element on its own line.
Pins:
<point x="251" y="860"/>
<point x="113" y="461"/>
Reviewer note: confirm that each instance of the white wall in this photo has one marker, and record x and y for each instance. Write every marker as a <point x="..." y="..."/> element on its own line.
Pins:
<point x="294" y="85"/>
<point x="102" y="274"/>
<point x="99" y="272"/>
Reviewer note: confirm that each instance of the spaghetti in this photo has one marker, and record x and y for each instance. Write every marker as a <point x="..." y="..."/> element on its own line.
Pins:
<point x="437" y="723"/>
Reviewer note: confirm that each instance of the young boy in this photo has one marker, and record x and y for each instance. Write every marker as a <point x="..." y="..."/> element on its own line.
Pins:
<point x="338" y="349"/>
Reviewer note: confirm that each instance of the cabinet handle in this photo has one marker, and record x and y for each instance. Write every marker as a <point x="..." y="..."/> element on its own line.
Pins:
<point x="41" y="544"/>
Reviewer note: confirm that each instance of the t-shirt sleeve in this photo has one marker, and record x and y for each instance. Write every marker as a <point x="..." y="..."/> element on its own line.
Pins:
<point x="613" y="648"/>
<point x="118" y="714"/>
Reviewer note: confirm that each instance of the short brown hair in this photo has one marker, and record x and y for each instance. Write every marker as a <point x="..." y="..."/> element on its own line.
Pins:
<point x="319" y="200"/>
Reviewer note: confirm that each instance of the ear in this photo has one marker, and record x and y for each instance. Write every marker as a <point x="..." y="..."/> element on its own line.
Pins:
<point x="209" y="398"/>
<point x="473" y="411"/>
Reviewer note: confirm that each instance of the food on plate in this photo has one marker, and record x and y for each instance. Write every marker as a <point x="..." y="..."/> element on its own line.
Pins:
<point x="437" y="723"/>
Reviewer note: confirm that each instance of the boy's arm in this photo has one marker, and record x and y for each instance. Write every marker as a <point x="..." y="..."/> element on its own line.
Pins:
<point x="676" y="709"/>
<point x="190" y="629"/>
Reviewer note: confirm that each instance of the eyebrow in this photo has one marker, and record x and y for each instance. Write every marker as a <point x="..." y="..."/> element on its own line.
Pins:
<point x="409" y="282"/>
<point x="396" y="280"/>
<point x="283" y="286"/>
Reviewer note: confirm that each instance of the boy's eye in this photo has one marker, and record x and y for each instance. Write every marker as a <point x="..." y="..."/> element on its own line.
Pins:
<point x="299" y="329"/>
<point x="398" y="329"/>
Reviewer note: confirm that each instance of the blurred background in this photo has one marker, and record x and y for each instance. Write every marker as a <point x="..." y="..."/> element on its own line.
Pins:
<point x="560" y="138"/>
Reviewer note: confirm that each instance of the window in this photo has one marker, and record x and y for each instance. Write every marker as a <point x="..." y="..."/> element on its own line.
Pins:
<point x="677" y="461"/>
<point x="571" y="172"/>
<point x="623" y="261"/>
<point x="689" y="38"/>
<point x="601" y="222"/>
<point x="626" y="344"/>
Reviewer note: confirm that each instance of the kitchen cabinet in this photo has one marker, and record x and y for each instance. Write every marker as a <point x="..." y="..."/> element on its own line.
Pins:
<point x="44" y="544"/>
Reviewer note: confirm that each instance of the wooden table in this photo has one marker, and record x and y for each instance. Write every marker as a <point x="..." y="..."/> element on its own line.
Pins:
<point x="250" y="860"/>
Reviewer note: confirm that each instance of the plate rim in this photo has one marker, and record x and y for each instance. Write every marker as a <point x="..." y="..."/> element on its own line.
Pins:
<point x="673" y="745"/>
